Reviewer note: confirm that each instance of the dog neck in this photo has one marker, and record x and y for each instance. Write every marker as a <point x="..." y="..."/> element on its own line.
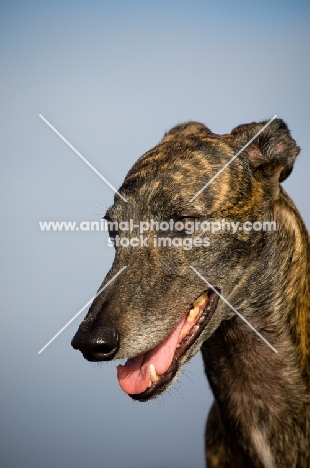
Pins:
<point x="263" y="397"/>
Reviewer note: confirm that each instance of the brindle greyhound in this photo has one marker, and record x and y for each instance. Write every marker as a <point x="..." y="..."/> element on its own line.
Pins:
<point x="158" y="313"/>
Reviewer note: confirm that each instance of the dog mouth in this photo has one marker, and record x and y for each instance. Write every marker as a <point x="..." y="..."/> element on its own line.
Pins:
<point x="149" y="374"/>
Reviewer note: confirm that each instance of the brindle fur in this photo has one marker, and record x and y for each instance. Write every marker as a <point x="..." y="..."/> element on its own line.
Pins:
<point x="261" y="413"/>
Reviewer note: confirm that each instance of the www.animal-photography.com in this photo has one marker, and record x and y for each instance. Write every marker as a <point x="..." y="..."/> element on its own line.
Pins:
<point x="155" y="246"/>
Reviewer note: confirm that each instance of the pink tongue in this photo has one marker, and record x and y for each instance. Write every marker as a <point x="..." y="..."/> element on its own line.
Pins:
<point x="134" y="376"/>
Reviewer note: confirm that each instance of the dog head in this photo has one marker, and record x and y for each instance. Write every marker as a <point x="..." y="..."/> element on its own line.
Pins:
<point x="180" y="243"/>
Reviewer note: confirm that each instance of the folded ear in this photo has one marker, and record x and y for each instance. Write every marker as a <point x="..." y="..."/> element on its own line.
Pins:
<point x="273" y="152"/>
<point x="185" y="129"/>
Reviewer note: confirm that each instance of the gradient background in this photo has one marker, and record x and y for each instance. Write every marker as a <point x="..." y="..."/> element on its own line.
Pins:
<point x="112" y="76"/>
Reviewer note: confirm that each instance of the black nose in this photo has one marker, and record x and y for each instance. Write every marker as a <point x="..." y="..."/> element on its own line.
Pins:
<point x="99" y="344"/>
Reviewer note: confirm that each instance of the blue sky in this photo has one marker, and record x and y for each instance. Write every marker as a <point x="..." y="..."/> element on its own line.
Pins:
<point x="113" y="77"/>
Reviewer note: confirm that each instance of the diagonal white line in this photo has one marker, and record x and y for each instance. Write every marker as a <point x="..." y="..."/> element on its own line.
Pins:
<point x="235" y="310"/>
<point x="232" y="159"/>
<point x="82" y="157"/>
<point x="81" y="310"/>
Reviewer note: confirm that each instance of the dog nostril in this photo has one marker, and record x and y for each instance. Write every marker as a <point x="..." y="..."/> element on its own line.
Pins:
<point x="99" y="344"/>
<point x="102" y="348"/>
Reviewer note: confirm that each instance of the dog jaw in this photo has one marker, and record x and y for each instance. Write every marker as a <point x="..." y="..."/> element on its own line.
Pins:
<point x="149" y="374"/>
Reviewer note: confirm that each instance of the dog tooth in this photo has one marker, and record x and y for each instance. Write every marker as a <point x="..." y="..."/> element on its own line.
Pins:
<point x="183" y="333"/>
<point x="201" y="299"/>
<point x="153" y="374"/>
<point x="150" y="384"/>
<point x="193" y="314"/>
<point x="190" y="317"/>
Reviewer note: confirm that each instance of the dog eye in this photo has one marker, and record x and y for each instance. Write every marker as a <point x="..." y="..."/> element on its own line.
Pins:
<point x="113" y="234"/>
<point x="112" y="227"/>
<point x="184" y="224"/>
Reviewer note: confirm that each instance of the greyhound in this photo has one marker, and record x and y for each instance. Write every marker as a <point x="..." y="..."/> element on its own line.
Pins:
<point x="158" y="313"/>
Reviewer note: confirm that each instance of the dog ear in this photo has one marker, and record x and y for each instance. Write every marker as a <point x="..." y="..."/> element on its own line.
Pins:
<point x="186" y="129"/>
<point x="273" y="152"/>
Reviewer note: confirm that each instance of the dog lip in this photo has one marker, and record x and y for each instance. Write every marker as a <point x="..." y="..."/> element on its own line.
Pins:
<point x="164" y="379"/>
<point x="159" y="385"/>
